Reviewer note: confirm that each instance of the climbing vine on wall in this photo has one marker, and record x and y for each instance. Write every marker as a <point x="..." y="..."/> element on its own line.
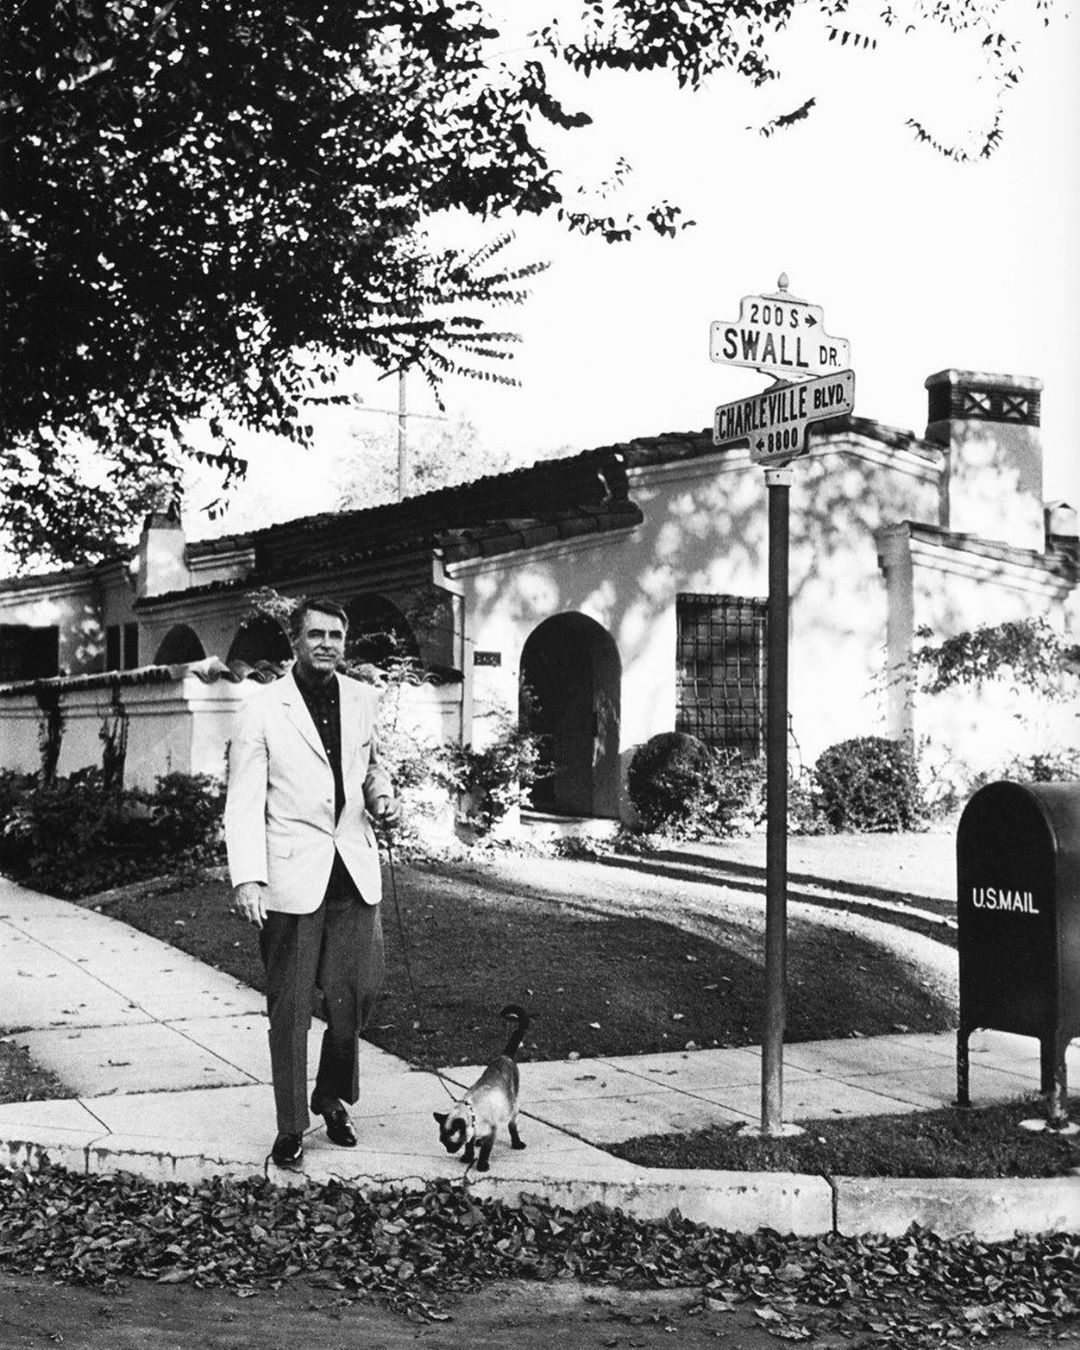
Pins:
<point x="1028" y="653"/>
<point x="114" y="738"/>
<point x="50" y="729"/>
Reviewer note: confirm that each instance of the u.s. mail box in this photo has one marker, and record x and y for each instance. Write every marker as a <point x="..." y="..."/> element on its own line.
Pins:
<point x="1018" y="910"/>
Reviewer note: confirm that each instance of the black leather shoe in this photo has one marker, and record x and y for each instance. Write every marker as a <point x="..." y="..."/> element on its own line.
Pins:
<point x="288" y="1150"/>
<point x="339" y="1128"/>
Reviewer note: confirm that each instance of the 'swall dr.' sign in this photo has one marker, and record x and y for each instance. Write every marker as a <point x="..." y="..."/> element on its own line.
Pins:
<point x="780" y="336"/>
<point x="775" y="423"/>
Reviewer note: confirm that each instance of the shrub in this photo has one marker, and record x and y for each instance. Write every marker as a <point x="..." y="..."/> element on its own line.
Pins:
<point x="186" y="811"/>
<point x="66" y="836"/>
<point x="671" y="780"/>
<point x="869" y="783"/>
<point x="13" y="787"/>
<point x="497" y="778"/>
<point x="738" y="801"/>
<point x="682" y="788"/>
<point x="805" y="815"/>
<point x="76" y="836"/>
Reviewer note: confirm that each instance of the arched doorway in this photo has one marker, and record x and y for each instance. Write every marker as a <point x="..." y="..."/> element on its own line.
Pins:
<point x="179" y="646"/>
<point x="569" y="694"/>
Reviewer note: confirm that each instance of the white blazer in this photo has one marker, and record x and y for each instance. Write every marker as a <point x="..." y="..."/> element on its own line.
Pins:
<point x="279" y="806"/>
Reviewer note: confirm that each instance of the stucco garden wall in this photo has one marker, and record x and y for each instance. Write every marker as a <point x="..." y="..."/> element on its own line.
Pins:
<point x="181" y="725"/>
<point x="178" y="725"/>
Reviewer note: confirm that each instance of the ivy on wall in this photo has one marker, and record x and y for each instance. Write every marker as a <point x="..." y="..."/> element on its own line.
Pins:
<point x="114" y="738"/>
<point x="1028" y="653"/>
<point x="50" y="729"/>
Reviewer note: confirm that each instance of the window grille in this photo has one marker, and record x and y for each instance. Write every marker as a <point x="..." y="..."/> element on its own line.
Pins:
<point x="721" y="670"/>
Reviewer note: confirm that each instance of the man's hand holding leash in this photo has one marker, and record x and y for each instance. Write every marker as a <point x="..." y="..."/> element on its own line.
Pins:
<point x="386" y="816"/>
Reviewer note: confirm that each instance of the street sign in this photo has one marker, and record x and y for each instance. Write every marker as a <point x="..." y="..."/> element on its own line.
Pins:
<point x="776" y="334"/>
<point x="775" y="423"/>
<point x="782" y="336"/>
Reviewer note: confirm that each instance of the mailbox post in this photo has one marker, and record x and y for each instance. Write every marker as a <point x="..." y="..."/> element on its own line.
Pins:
<point x="1018" y="924"/>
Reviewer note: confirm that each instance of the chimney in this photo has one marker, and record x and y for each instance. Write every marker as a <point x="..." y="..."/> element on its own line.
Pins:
<point x="993" y="482"/>
<point x="159" y="564"/>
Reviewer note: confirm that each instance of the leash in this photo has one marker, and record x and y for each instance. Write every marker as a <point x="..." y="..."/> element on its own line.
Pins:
<point x="452" y="1092"/>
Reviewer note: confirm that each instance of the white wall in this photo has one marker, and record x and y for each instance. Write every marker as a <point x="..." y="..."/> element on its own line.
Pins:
<point x="73" y="608"/>
<point x="976" y="729"/>
<point x="706" y="530"/>
<point x="182" y="726"/>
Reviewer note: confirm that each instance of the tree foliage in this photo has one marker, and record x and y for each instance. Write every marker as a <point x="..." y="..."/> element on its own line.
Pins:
<point x="208" y="206"/>
<point x="438" y="454"/>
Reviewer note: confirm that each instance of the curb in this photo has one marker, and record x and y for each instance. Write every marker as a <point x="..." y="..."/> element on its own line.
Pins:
<point x="989" y="1209"/>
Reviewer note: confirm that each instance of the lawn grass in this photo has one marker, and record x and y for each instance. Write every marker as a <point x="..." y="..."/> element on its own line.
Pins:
<point x="987" y="1142"/>
<point x="595" y="984"/>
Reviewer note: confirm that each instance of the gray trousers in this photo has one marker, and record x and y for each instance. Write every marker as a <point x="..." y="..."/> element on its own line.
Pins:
<point x="337" y="949"/>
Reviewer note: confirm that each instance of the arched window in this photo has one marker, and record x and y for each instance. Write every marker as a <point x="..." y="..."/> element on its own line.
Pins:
<point x="259" y="641"/>
<point x="378" y="632"/>
<point x="179" y="646"/>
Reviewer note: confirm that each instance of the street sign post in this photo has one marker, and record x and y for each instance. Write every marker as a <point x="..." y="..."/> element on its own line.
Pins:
<point x="778" y="335"/>
<point x="782" y="336"/>
<point x="775" y="422"/>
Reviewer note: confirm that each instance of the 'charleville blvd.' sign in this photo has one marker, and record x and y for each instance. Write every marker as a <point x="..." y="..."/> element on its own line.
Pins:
<point x="775" y="422"/>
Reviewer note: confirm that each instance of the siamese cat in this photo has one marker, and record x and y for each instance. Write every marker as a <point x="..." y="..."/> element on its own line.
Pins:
<point x="490" y="1102"/>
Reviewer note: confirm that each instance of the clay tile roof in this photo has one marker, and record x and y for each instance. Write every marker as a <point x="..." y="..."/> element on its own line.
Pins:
<point x="575" y="495"/>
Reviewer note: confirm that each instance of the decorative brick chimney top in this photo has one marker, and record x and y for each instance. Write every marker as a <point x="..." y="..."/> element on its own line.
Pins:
<point x="989" y="427"/>
<point x="974" y="396"/>
<point x="1061" y="521"/>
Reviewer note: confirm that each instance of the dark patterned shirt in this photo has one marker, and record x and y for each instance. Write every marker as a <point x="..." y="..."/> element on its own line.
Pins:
<point x="324" y="704"/>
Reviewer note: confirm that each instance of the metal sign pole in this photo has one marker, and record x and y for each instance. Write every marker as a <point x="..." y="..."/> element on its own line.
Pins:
<point x="778" y="482"/>
<point x="783" y="336"/>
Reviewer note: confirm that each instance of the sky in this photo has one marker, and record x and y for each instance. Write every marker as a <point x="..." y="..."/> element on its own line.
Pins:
<point x="919" y="262"/>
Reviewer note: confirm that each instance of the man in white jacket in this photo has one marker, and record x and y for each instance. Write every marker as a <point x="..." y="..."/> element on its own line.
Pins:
<point x="305" y="784"/>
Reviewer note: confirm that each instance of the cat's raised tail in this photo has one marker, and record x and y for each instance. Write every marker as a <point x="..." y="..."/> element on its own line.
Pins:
<point x="514" y="1012"/>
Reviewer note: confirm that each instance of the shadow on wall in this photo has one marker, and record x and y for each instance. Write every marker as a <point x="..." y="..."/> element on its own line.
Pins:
<point x="707" y="532"/>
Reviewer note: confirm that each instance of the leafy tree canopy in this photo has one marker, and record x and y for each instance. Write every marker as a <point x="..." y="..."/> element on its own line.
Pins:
<point x="209" y="205"/>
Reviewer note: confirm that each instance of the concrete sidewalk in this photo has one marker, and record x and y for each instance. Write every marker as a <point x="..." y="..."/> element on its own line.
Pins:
<point x="168" y="1062"/>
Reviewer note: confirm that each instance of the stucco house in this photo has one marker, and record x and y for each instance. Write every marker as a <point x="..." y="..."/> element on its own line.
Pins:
<point x="598" y="598"/>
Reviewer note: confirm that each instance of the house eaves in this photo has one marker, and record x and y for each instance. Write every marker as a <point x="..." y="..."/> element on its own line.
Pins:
<point x="1057" y="564"/>
<point x="516" y="536"/>
<point x="675" y="447"/>
<point x="51" y="582"/>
